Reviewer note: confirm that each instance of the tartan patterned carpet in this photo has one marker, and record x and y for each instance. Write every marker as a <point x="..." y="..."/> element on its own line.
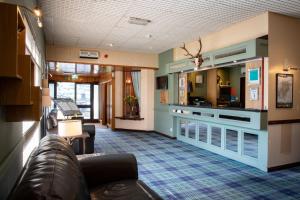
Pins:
<point x="176" y="170"/>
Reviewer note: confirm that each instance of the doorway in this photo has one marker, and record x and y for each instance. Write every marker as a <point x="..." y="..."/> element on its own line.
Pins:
<point x="85" y="95"/>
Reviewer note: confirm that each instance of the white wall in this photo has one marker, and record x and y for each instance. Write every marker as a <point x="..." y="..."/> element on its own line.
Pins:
<point x="147" y="102"/>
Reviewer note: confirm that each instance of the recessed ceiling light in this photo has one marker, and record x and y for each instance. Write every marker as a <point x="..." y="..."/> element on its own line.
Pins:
<point x="138" y="21"/>
<point x="148" y="36"/>
<point x="110" y="44"/>
<point x="150" y="47"/>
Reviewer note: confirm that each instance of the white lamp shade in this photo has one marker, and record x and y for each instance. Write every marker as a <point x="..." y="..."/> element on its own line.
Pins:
<point x="46" y="101"/>
<point x="69" y="128"/>
<point x="46" y="92"/>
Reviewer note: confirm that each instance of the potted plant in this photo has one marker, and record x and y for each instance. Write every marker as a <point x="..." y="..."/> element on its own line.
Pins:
<point x="131" y="101"/>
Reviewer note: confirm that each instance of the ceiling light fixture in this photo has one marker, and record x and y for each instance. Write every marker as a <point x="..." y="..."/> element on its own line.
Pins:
<point x="138" y="21"/>
<point x="148" y="36"/>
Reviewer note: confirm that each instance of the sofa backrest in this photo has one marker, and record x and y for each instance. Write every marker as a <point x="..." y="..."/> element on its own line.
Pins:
<point x="53" y="172"/>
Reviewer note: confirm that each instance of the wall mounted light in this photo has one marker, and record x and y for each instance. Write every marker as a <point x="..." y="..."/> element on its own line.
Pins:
<point x="36" y="12"/>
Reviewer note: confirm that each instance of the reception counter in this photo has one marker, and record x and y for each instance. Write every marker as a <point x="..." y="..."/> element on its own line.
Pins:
<point x="239" y="134"/>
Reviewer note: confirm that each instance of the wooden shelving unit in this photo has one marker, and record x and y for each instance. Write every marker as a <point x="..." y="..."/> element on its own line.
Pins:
<point x="18" y="91"/>
<point x="26" y="113"/>
<point x="22" y="100"/>
<point x="12" y="40"/>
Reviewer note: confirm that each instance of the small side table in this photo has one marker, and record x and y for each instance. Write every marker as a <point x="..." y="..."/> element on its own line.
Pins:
<point x="84" y="135"/>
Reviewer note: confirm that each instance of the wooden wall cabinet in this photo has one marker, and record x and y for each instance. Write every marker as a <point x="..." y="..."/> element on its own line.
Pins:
<point x="22" y="101"/>
<point x="26" y="113"/>
<point x="12" y="40"/>
<point x="18" y="91"/>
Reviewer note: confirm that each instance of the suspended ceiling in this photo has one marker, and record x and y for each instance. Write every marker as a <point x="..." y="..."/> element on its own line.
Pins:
<point x="104" y="23"/>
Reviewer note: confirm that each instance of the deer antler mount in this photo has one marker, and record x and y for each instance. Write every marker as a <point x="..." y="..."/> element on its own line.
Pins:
<point x="198" y="59"/>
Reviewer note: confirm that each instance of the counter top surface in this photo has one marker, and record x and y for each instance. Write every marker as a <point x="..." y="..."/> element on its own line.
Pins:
<point x="222" y="108"/>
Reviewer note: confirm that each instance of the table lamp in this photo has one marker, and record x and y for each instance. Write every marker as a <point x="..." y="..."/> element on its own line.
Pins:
<point x="69" y="128"/>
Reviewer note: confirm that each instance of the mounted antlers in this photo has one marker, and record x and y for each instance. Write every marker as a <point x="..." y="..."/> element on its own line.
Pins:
<point x="198" y="57"/>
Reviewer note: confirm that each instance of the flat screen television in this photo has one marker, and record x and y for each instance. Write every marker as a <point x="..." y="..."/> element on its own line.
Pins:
<point x="162" y="83"/>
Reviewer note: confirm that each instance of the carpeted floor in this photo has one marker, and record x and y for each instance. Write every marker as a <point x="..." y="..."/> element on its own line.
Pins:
<point x="176" y="170"/>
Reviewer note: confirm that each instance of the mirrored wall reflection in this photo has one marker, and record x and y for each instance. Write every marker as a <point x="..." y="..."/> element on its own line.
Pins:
<point x="231" y="140"/>
<point x="182" y="127"/>
<point x="192" y="130"/>
<point x="202" y="132"/>
<point x="251" y="145"/>
<point x="216" y="133"/>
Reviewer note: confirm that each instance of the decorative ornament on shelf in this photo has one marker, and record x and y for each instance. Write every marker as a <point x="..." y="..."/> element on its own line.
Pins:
<point x="131" y="101"/>
<point x="198" y="59"/>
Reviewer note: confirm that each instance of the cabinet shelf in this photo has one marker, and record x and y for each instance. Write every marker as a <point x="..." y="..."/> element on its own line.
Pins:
<point x="26" y="113"/>
<point x="18" y="91"/>
<point x="12" y="40"/>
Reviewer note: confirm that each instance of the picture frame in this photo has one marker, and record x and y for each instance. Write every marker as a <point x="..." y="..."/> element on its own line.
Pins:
<point x="284" y="90"/>
<point x="254" y="75"/>
<point x="254" y="95"/>
<point x="198" y="80"/>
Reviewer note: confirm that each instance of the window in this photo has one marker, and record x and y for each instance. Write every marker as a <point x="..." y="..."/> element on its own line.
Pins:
<point x="96" y="102"/>
<point x="131" y="93"/>
<point x="66" y="67"/>
<point x="66" y="90"/>
<point x="83" y="68"/>
<point x="83" y="94"/>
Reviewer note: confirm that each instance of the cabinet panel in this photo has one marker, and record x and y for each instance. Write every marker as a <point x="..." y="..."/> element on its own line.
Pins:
<point x="232" y="140"/>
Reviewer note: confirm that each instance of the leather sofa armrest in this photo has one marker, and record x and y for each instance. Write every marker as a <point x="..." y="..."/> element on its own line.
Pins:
<point x="108" y="168"/>
<point x="90" y="129"/>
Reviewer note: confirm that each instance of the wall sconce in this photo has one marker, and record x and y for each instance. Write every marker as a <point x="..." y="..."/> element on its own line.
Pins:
<point x="287" y="67"/>
<point x="36" y="12"/>
<point x="128" y="81"/>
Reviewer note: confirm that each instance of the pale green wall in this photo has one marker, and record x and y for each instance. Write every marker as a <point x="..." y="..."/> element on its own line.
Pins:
<point x="163" y="121"/>
<point x="11" y="137"/>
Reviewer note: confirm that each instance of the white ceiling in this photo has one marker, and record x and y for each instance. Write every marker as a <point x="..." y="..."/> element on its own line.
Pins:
<point x="97" y="23"/>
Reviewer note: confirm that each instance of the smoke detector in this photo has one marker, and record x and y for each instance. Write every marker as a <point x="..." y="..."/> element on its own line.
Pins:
<point x="138" y="21"/>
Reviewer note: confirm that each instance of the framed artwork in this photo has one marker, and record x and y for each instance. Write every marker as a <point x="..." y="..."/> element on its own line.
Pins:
<point x="284" y="90"/>
<point x="199" y="79"/>
<point x="253" y="94"/>
<point x="253" y="76"/>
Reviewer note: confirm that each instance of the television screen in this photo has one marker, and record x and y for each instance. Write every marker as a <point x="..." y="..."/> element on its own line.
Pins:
<point x="162" y="83"/>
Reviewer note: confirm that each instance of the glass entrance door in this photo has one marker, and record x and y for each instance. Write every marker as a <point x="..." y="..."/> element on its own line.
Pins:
<point x="86" y="96"/>
<point x="83" y="99"/>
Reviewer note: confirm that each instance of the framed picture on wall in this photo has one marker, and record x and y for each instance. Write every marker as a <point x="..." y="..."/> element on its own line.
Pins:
<point x="253" y="76"/>
<point x="284" y="90"/>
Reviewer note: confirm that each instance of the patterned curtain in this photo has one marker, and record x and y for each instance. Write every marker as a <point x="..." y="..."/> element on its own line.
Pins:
<point x="136" y="81"/>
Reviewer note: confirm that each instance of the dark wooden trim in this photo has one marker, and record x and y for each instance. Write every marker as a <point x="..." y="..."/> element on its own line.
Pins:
<point x="145" y="131"/>
<point x="165" y="135"/>
<point x="130" y="118"/>
<point x="281" y="167"/>
<point x="135" y="130"/>
<point x="287" y="121"/>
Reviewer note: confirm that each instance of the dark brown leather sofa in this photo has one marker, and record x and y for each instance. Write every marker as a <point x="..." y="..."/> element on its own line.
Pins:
<point x="53" y="172"/>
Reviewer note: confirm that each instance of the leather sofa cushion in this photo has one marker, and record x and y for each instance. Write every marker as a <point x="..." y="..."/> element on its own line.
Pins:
<point x="53" y="172"/>
<point x="123" y="190"/>
<point x="52" y="176"/>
